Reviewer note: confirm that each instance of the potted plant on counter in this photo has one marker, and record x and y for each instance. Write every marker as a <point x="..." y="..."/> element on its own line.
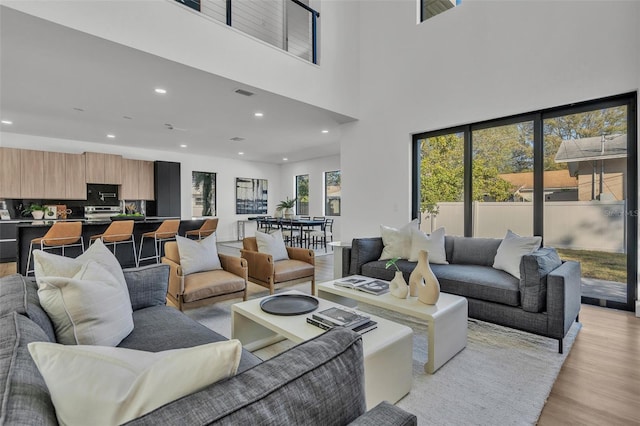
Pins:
<point x="36" y="210"/>
<point x="287" y="206"/>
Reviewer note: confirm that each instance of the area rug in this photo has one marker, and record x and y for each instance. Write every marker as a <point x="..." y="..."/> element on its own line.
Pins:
<point x="502" y="377"/>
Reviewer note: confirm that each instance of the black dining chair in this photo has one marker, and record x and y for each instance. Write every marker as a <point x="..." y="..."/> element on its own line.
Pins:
<point x="323" y="235"/>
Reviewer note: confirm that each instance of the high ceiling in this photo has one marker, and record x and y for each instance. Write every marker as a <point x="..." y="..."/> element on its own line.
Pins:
<point x="62" y="83"/>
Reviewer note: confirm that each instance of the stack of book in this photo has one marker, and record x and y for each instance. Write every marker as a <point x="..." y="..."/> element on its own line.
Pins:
<point x="368" y="285"/>
<point x="340" y="317"/>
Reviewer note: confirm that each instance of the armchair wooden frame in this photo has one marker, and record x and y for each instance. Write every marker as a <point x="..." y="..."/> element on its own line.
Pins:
<point x="231" y="265"/>
<point x="264" y="271"/>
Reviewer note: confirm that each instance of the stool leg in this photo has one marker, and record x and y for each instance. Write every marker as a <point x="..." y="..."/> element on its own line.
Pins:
<point x="133" y="246"/>
<point x="140" y="253"/>
<point x="156" y="247"/>
<point x="29" y="259"/>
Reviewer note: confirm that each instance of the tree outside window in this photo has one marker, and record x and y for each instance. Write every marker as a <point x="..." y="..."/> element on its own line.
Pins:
<point x="302" y="194"/>
<point x="332" y="193"/>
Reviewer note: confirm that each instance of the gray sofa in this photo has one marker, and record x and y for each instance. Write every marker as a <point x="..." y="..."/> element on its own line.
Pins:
<point x="545" y="301"/>
<point x="318" y="382"/>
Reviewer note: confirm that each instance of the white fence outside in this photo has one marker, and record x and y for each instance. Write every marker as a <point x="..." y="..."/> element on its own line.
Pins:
<point x="579" y="225"/>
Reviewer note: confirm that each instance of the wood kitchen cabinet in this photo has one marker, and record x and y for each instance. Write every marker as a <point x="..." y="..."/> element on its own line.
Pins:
<point x="55" y="171"/>
<point x="137" y="180"/>
<point x="32" y="175"/>
<point x="75" y="179"/>
<point x="103" y="168"/>
<point x="10" y="172"/>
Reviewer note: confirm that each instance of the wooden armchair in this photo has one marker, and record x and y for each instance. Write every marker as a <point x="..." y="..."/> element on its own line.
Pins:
<point x="300" y="266"/>
<point x="201" y="288"/>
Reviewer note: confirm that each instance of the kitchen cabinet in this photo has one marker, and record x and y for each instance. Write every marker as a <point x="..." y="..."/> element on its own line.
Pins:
<point x="167" y="188"/>
<point x="32" y="175"/>
<point x="10" y="172"/>
<point x="137" y="180"/>
<point x="55" y="172"/>
<point x="8" y="242"/>
<point x="103" y="168"/>
<point x="75" y="179"/>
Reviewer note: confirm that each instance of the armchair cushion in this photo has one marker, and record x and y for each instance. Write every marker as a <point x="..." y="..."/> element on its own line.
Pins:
<point x="272" y="244"/>
<point x="287" y="270"/>
<point x="198" y="256"/>
<point x="203" y="285"/>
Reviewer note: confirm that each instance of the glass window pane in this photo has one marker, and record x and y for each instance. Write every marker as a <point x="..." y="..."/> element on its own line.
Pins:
<point x="585" y="184"/>
<point x="302" y="194"/>
<point x="332" y="193"/>
<point x="203" y="194"/>
<point x="442" y="183"/>
<point x="502" y="174"/>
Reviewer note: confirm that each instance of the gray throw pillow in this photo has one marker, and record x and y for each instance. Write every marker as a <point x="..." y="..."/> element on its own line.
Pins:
<point x="534" y="269"/>
<point x="198" y="256"/>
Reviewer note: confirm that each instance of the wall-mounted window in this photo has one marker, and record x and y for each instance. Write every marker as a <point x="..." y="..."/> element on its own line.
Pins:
<point x="203" y="194"/>
<point x="332" y="191"/>
<point x="568" y="174"/>
<point x="302" y="195"/>
<point x="431" y="8"/>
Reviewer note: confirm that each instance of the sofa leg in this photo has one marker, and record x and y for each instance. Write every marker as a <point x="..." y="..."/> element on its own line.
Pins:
<point x="578" y="318"/>
<point x="560" y="347"/>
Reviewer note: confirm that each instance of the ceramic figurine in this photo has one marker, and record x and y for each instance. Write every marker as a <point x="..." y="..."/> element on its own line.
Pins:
<point x="422" y="282"/>
<point x="398" y="286"/>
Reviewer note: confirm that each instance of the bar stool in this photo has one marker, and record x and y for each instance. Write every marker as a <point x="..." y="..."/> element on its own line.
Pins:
<point x="208" y="227"/>
<point x="119" y="232"/>
<point x="166" y="231"/>
<point x="59" y="236"/>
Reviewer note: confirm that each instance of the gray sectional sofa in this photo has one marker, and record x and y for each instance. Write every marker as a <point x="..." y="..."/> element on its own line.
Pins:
<point x="544" y="301"/>
<point x="299" y="386"/>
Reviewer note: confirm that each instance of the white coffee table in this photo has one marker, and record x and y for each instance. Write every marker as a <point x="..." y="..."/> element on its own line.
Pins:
<point x="388" y="350"/>
<point x="446" y="320"/>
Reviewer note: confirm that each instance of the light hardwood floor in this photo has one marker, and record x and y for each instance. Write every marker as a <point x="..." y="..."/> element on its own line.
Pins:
<point x="599" y="383"/>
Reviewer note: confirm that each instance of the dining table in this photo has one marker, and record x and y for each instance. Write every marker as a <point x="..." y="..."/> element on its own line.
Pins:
<point x="279" y="223"/>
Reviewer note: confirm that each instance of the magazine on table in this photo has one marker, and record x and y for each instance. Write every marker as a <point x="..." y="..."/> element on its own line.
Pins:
<point x="340" y="317"/>
<point x="368" y="285"/>
<point x="362" y="328"/>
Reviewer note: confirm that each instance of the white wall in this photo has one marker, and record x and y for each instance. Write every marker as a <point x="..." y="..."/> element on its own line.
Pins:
<point x="173" y="31"/>
<point x="315" y="169"/>
<point x="226" y="172"/>
<point x="478" y="61"/>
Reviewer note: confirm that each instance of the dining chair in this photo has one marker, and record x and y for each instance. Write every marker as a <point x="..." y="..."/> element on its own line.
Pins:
<point x="321" y="236"/>
<point x="61" y="235"/>
<point x="119" y="232"/>
<point x="167" y="231"/>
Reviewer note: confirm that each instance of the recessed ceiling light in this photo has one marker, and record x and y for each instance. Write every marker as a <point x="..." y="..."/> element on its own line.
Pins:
<point x="160" y="90"/>
<point x="285" y="159"/>
<point x="325" y="131"/>
<point x="111" y="136"/>
<point x="241" y="153"/>
<point x="259" y="114"/>
<point x="183" y="145"/>
<point x="6" y="122"/>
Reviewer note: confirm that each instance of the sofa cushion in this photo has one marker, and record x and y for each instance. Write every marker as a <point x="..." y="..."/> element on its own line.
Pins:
<point x="364" y="250"/>
<point x="203" y="285"/>
<point x="474" y="251"/>
<point x="147" y="285"/>
<point x="20" y="294"/>
<point x="511" y="250"/>
<point x="534" y="269"/>
<point x="106" y="385"/>
<point x="287" y="270"/>
<point x="160" y="328"/>
<point x="26" y="399"/>
<point x="478" y="282"/>
<point x="377" y="269"/>
<point x="319" y="382"/>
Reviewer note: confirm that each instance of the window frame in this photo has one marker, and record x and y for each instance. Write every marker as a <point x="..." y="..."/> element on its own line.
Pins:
<point x="326" y="196"/>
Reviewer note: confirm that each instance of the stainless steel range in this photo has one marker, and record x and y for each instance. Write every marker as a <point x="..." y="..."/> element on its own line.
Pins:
<point x="97" y="213"/>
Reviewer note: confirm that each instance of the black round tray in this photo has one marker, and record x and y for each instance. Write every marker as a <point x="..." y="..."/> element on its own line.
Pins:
<point x="289" y="304"/>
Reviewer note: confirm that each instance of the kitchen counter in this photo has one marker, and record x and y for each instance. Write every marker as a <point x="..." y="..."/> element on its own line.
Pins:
<point x="47" y="223"/>
<point x="26" y="231"/>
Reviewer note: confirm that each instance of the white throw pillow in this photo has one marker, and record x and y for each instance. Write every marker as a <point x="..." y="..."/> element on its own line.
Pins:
<point x="511" y="250"/>
<point x="52" y="265"/>
<point x="88" y="308"/>
<point x="198" y="256"/>
<point x="272" y="244"/>
<point x="397" y="242"/>
<point x="433" y="243"/>
<point x="107" y="386"/>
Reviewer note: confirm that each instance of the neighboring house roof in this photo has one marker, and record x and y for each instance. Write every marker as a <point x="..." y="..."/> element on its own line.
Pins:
<point x="586" y="149"/>
<point x="553" y="179"/>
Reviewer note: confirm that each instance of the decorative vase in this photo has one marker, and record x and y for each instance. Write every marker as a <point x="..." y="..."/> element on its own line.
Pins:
<point x="37" y="214"/>
<point x="398" y="287"/>
<point x="423" y="283"/>
<point x="288" y="214"/>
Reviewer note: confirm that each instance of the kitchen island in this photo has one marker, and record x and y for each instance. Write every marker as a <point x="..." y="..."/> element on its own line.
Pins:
<point x="26" y="231"/>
